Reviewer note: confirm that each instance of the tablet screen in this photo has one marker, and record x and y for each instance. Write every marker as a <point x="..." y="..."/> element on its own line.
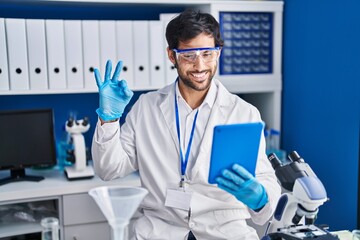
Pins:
<point x="235" y="143"/>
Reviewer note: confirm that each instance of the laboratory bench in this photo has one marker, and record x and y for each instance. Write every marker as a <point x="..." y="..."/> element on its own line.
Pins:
<point x="23" y="204"/>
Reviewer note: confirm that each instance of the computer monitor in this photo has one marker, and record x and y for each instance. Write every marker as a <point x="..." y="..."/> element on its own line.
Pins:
<point x="26" y="140"/>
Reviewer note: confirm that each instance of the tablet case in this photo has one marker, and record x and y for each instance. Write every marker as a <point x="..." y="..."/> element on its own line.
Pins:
<point x="235" y="143"/>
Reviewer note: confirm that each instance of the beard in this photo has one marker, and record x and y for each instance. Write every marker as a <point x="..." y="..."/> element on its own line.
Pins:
<point x="188" y="82"/>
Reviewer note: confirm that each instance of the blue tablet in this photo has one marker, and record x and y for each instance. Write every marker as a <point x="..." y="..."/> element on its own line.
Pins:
<point x="235" y="143"/>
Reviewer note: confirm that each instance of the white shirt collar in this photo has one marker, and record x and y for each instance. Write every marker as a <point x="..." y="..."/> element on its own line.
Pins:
<point x="210" y="96"/>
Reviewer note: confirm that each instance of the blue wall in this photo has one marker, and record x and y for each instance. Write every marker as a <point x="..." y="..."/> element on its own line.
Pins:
<point x="73" y="10"/>
<point x="320" y="112"/>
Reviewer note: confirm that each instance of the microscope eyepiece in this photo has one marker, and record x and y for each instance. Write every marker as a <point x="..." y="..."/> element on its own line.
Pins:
<point x="70" y="122"/>
<point x="85" y="121"/>
<point x="295" y="157"/>
<point x="274" y="160"/>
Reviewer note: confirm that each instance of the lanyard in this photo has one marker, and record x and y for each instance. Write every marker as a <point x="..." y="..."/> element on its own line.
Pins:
<point x="184" y="161"/>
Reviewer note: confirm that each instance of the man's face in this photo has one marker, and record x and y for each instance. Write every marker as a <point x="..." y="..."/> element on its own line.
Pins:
<point x="196" y="74"/>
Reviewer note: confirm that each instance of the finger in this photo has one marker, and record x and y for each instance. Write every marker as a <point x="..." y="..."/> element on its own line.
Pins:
<point x="123" y="84"/>
<point x="223" y="187"/>
<point x="238" y="180"/>
<point x="97" y="77"/>
<point x="226" y="185"/>
<point x="126" y="90"/>
<point x="108" y="69"/>
<point x="117" y="70"/>
<point x="128" y="93"/>
<point x="242" y="172"/>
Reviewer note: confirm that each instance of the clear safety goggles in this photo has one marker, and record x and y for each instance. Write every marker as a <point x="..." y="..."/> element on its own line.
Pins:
<point x="190" y="55"/>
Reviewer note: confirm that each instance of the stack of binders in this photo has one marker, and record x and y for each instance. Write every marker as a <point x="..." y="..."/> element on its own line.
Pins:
<point x="55" y="54"/>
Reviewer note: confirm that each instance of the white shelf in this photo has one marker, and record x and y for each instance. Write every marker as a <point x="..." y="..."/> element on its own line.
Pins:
<point x="247" y="86"/>
<point x="252" y="83"/>
<point x="60" y="91"/>
<point x="20" y="228"/>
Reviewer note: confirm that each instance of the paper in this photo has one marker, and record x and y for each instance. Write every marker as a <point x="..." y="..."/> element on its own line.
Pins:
<point x="177" y="198"/>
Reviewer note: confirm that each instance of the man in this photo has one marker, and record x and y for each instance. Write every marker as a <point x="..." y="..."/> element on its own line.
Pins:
<point x="167" y="137"/>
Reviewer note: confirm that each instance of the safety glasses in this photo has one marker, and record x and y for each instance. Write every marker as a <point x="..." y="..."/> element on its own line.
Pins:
<point x="190" y="55"/>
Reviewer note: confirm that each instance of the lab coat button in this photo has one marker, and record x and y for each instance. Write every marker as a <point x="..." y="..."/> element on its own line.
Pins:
<point x="191" y="224"/>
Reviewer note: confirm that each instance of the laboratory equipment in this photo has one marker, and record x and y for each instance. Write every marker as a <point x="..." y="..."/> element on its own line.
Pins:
<point x="27" y="141"/>
<point x="79" y="170"/>
<point x="50" y="228"/>
<point x="272" y="137"/>
<point x="297" y="208"/>
<point x="118" y="204"/>
<point x="190" y="55"/>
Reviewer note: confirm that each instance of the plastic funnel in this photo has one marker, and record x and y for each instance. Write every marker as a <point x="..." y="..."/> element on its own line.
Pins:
<point x="118" y="204"/>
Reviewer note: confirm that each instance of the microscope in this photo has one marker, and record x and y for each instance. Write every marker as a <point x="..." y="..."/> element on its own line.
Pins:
<point x="297" y="208"/>
<point x="79" y="170"/>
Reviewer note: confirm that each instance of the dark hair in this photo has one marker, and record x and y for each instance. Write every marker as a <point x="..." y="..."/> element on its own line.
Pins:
<point x="189" y="24"/>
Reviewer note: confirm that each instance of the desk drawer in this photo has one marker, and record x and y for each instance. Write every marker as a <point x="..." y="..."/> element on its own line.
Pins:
<point x="80" y="209"/>
<point x="93" y="231"/>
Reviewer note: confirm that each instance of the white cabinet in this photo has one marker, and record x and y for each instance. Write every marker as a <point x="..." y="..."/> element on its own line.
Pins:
<point x="83" y="219"/>
<point x="24" y="204"/>
<point x="89" y="231"/>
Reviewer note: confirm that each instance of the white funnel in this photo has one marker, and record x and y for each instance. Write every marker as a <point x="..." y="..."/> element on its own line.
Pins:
<point x="118" y="204"/>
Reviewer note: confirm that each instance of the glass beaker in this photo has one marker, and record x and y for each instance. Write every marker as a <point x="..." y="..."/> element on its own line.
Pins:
<point x="50" y="228"/>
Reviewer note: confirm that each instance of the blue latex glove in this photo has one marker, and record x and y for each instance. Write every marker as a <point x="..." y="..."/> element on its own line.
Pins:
<point x="114" y="94"/>
<point x="244" y="186"/>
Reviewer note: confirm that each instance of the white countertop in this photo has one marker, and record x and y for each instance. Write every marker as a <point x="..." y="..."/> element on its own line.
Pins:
<point x="55" y="184"/>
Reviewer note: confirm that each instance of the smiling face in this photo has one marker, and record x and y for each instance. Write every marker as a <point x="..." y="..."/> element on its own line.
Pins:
<point x="197" y="75"/>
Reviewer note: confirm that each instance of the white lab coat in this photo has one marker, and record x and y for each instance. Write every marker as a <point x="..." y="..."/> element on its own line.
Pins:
<point x="148" y="142"/>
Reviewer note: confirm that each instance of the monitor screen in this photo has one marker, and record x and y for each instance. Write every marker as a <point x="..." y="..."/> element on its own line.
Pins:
<point x="26" y="140"/>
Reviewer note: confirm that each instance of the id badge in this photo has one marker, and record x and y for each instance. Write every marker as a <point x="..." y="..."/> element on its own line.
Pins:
<point x="178" y="198"/>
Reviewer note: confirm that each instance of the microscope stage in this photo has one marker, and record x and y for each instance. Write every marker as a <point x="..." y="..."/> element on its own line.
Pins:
<point x="73" y="174"/>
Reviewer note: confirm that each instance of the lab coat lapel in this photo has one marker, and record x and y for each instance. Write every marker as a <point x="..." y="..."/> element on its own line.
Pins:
<point x="218" y="116"/>
<point x="167" y="107"/>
